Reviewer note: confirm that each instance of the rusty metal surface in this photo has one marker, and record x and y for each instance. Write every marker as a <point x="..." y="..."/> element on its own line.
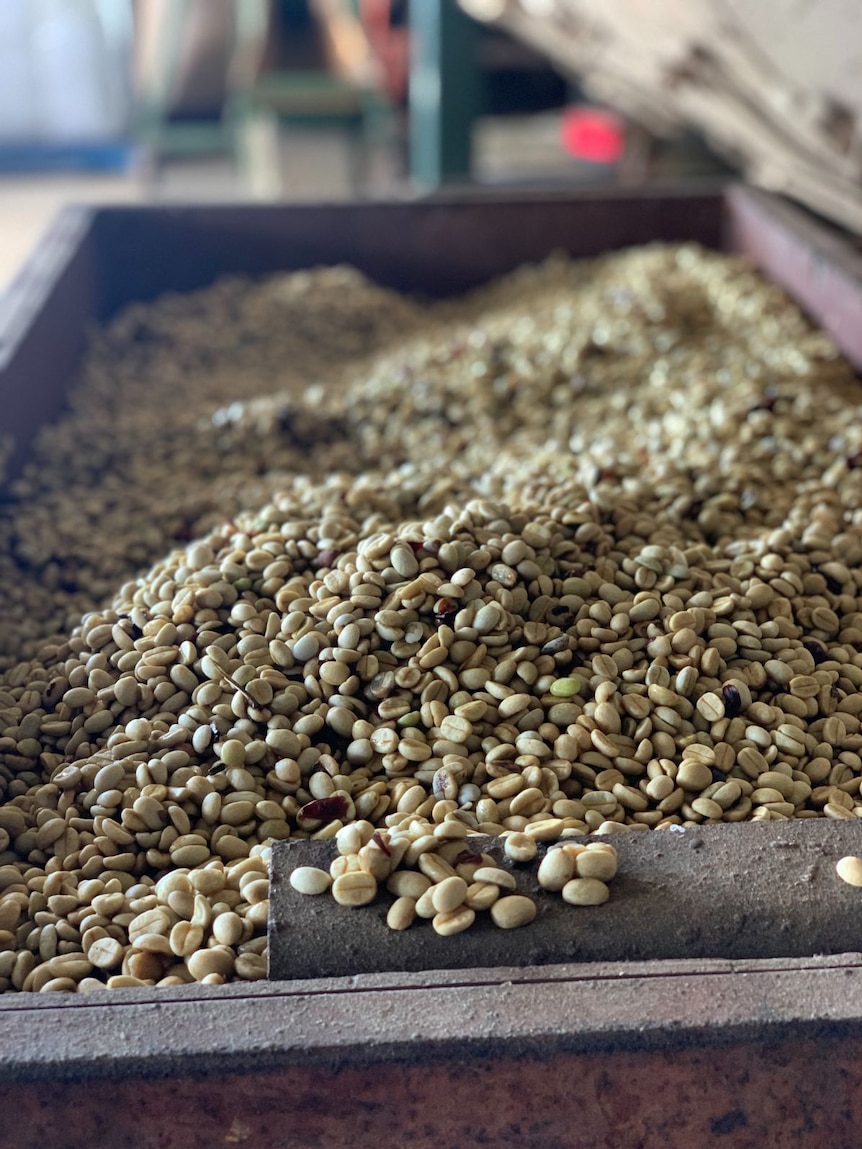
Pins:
<point x="743" y="890"/>
<point x="671" y="1055"/>
<point x="768" y="1095"/>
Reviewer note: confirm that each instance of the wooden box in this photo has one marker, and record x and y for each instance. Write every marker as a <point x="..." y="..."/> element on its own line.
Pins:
<point x="755" y="1052"/>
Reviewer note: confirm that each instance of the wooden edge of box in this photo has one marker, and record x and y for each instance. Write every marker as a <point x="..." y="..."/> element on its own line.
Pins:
<point x="32" y="286"/>
<point x="817" y="266"/>
<point x="239" y="1027"/>
<point x="43" y="318"/>
<point x="413" y="1019"/>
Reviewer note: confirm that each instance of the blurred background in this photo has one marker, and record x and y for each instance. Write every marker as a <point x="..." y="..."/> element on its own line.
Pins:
<point x="135" y="100"/>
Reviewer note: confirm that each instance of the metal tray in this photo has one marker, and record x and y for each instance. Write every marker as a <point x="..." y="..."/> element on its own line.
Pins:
<point x="639" y="1053"/>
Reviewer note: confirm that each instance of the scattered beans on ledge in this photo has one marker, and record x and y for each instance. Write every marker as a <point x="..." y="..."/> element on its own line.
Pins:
<point x="434" y="873"/>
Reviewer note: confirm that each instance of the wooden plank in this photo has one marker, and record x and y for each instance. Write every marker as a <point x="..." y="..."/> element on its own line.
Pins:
<point x="43" y="317"/>
<point x="452" y="979"/>
<point x="237" y="1028"/>
<point x="438" y="246"/>
<point x="816" y="265"/>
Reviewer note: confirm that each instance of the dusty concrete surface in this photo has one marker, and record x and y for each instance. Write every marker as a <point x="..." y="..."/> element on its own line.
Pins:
<point x="731" y="891"/>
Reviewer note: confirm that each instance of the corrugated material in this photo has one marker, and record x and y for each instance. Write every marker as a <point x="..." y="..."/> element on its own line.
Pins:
<point x="775" y="85"/>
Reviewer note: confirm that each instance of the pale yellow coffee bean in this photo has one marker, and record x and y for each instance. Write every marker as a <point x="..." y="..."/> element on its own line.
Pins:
<point x="142" y="969"/>
<point x="513" y="911"/>
<point x="585" y="892"/>
<point x="189" y="856"/>
<point x="519" y="847"/>
<point x="256" y="891"/>
<point x="545" y="830"/>
<point x="310" y="880"/>
<point x="425" y="843"/>
<point x="401" y="913"/>
<point x="109" y="904"/>
<point x="59" y="985"/>
<point x="228" y="928"/>
<point x="408" y="884"/>
<point x="849" y="870"/>
<point x="772" y="779"/>
<point x="505" y="787"/>
<point x="257" y="915"/>
<point x="126" y="691"/>
<point x="232" y="753"/>
<point x="454" y="922"/>
<point x="764" y="794"/>
<point x="448" y="894"/>
<point x="449" y="830"/>
<point x="425" y="904"/>
<point x="693" y="775"/>
<point x="455" y="729"/>
<point x="343" y="864"/>
<point x="251" y="967"/>
<point x="354" y="889"/>
<point x="602" y="800"/>
<point x="660" y="787"/>
<point x="182" y="903"/>
<point x="374" y="861"/>
<point x="349" y="839"/>
<point x="711" y="706"/>
<point x="10" y="914"/>
<point x="556" y="868"/>
<point x="185" y="939"/>
<point x="727" y="794"/>
<point x="235" y="813"/>
<point x="49" y="832"/>
<point x="597" y="845"/>
<point x="71" y="965"/>
<point x="804" y="686"/>
<point x="125" y="981"/>
<point x="707" y="808"/>
<point x="498" y="877"/>
<point x="593" y="863"/>
<point x="155" y="921"/>
<point x="435" y="867"/>
<point x="203" y="913"/>
<point x="78" y="697"/>
<point x="481" y="895"/>
<point x="528" y="802"/>
<point x="91" y="985"/>
<point x="213" y="960"/>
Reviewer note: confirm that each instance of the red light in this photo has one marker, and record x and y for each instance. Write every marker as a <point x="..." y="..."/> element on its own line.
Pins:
<point x="591" y="134"/>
